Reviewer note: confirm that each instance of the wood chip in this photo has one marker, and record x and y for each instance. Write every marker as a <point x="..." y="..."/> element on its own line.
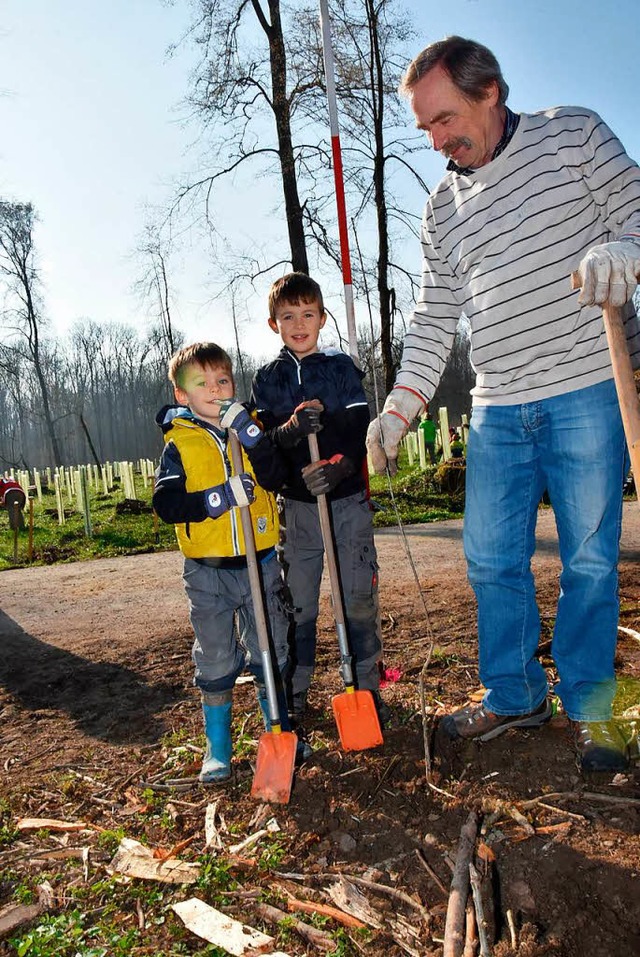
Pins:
<point x="350" y="898"/>
<point x="133" y="859"/>
<point x="223" y="931"/>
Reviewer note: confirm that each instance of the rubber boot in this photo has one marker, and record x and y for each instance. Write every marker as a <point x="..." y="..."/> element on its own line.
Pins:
<point x="216" y="709"/>
<point x="303" y="748"/>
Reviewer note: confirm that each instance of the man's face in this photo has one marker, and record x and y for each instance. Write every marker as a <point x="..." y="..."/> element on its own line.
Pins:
<point x="463" y="130"/>
<point x="202" y="388"/>
<point x="299" y="326"/>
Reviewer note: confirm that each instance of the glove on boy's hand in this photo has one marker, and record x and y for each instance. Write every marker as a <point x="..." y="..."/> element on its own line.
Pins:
<point x="233" y="415"/>
<point x="323" y="476"/>
<point x="304" y="421"/>
<point x="237" y="491"/>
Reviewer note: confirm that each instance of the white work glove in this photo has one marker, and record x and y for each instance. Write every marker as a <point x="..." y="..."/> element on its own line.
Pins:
<point x="385" y="432"/>
<point x="609" y="273"/>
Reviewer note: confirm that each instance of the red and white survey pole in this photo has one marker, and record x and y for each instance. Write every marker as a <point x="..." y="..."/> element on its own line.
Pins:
<point x="345" y="256"/>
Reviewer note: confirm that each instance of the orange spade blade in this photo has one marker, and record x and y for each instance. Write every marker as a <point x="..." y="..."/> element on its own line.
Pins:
<point x="357" y="719"/>
<point x="275" y="761"/>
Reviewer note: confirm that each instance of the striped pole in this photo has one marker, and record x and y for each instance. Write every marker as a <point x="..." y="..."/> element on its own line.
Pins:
<point x="345" y="256"/>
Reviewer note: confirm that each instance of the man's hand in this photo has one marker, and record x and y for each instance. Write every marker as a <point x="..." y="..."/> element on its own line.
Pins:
<point x="304" y="421"/>
<point x="233" y="415"/>
<point x="386" y="431"/>
<point x="323" y="476"/>
<point x="237" y="491"/>
<point x="609" y="273"/>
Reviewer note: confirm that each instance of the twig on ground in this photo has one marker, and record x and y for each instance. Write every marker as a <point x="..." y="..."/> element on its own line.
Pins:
<point x="390" y="892"/>
<point x="580" y="796"/>
<point x="430" y="871"/>
<point x="512" y="930"/>
<point x="471" y="932"/>
<point x="477" y="903"/>
<point x="309" y="934"/>
<point x="309" y="907"/>
<point x="455" y="922"/>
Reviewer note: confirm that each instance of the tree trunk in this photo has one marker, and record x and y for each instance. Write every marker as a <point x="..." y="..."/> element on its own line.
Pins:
<point x="282" y="114"/>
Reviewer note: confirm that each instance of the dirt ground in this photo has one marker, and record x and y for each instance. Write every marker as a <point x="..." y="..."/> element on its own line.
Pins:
<point x="95" y="673"/>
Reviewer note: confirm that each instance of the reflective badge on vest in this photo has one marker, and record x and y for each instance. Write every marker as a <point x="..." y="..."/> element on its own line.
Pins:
<point x="262" y="525"/>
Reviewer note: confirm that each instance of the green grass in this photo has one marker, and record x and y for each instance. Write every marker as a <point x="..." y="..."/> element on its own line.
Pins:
<point x="114" y="533"/>
<point x="418" y="497"/>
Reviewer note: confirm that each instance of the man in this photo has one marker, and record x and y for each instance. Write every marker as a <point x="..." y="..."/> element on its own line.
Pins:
<point x="527" y="199"/>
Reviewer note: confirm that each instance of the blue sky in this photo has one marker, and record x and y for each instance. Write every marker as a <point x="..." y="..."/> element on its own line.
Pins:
<point x="91" y="130"/>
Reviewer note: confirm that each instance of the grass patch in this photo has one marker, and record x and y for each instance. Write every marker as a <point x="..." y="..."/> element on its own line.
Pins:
<point x="123" y="527"/>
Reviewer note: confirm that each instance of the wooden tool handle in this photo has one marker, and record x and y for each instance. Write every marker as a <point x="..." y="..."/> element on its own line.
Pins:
<point x="624" y="380"/>
<point x="327" y="540"/>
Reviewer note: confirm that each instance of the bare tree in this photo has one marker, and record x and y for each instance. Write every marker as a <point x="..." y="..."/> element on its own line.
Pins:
<point x="237" y="84"/>
<point x="22" y="299"/>
<point x="153" y="286"/>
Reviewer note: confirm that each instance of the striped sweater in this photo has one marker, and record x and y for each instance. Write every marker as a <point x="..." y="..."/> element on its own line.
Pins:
<point x="499" y="245"/>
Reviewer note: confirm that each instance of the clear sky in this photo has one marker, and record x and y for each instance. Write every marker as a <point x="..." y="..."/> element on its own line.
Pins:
<point x="91" y="130"/>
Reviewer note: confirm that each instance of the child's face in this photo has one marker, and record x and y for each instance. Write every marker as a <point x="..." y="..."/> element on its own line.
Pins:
<point x="203" y="388"/>
<point x="299" y="326"/>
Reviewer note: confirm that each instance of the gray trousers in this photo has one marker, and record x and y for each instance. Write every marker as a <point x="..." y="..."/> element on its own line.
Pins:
<point x="221" y="613"/>
<point x="358" y="569"/>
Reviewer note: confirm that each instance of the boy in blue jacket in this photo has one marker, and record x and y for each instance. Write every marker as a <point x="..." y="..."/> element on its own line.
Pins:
<point x="303" y="374"/>
<point x="196" y="489"/>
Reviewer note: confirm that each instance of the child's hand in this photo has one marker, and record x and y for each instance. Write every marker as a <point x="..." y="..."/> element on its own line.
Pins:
<point x="323" y="476"/>
<point x="304" y="421"/>
<point x="237" y="491"/>
<point x="233" y="415"/>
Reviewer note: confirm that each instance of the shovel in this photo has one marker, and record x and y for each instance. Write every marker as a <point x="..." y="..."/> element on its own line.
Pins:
<point x="355" y="711"/>
<point x="276" y="755"/>
<point x="624" y="380"/>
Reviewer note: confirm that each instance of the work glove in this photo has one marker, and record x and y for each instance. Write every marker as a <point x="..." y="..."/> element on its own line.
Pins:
<point x="323" y="476"/>
<point x="386" y="431"/>
<point x="233" y="415"/>
<point x="238" y="490"/>
<point x="304" y="421"/>
<point x="609" y="273"/>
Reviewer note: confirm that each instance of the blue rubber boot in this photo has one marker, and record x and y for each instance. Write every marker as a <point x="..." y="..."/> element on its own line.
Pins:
<point x="216" y="709"/>
<point x="303" y="748"/>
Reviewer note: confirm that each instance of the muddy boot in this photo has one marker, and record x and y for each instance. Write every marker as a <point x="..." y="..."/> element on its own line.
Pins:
<point x="303" y="748"/>
<point x="297" y="704"/>
<point x="383" y="709"/>
<point x="216" y="709"/>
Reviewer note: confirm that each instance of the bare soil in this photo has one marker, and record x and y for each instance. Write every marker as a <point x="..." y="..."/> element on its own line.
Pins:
<point x="95" y="672"/>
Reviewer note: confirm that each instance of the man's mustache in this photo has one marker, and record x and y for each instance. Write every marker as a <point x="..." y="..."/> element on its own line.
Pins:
<point x="452" y="145"/>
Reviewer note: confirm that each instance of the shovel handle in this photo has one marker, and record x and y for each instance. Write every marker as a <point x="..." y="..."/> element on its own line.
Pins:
<point x="256" y="587"/>
<point x="624" y="380"/>
<point x="332" y="568"/>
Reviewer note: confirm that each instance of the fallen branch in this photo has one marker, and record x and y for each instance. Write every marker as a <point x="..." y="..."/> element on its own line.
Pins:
<point x="390" y="892"/>
<point x="308" y="933"/>
<point x="430" y="871"/>
<point x="309" y="907"/>
<point x="455" y="922"/>
<point x="471" y="932"/>
<point x="350" y="899"/>
<point x="14" y="916"/>
<point x="580" y="795"/>
<point x="477" y="903"/>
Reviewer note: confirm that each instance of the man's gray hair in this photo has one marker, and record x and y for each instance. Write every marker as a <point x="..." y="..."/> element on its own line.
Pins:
<point x="471" y="66"/>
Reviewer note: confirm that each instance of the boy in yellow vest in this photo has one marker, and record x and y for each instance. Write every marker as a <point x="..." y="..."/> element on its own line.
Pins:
<point x="197" y="490"/>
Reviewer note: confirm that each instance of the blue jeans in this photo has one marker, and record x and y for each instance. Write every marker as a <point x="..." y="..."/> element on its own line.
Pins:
<point x="573" y="446"/>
